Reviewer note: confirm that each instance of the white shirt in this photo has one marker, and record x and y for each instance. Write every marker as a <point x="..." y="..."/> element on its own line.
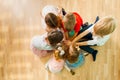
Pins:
<point x="97" y="40"/>
<point x="40" y="43"/>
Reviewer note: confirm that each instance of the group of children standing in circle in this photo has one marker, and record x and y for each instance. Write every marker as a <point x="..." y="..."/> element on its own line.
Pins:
<point x="66" y="35"/>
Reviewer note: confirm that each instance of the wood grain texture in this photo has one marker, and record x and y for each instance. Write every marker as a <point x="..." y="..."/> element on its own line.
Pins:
<point x="20" y="21"/>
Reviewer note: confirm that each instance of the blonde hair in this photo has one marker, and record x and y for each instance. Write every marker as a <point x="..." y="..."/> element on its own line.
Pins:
<point x="70" y="23"/>
<point x="105" y="26"/>
<point x="57" y="52"/>
<point x="57" y="55"/>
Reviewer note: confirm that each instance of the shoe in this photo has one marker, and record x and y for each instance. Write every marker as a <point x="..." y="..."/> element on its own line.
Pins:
<point x="97" y="18"/>
<point x="94" y="55"/>
<point x="72" y="72"/>
<point x="63" y="11"/>
<point x="85" y="24"/>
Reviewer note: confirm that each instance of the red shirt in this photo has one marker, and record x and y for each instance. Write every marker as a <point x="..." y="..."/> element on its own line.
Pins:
<point x="78" y="24"/>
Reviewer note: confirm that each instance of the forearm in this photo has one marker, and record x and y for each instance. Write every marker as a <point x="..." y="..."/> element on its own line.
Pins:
<point x="66" y="36"/>
<point x="89" y="42"/>
<point x="80" y="36"/>
<point x="72" y="38"/>
<point x="81" y="43"/>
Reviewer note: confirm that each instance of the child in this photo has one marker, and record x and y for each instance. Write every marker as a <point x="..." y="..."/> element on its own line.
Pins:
<point x="100" y="31"/>
<point x="72" y="23"/>
<point x="52" y="22"/>
<point x="56" y="63"/>
<point x="51" y="17"/>
<point x="76" y="60"/>
<point x="42" y="44"/>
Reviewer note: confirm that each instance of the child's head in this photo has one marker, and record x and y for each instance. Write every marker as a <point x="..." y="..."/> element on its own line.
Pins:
<point x="69" y="21"/>
<point x="51" y="20"/>
<point x="73" y="58"/>
<point x="54" y="37"/>
<point x="105" y="26"/>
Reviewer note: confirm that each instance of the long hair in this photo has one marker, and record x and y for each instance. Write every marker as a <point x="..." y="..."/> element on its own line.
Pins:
<point x="51" y="20"/>
<point x="105" y="26"/>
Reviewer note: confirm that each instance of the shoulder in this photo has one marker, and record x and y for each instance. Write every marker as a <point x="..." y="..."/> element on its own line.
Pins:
<point x="38" y="41"/>
<point x="79" y="21"/>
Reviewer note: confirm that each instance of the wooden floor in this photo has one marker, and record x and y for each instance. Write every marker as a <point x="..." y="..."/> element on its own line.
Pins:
<point x="20" y="21"/>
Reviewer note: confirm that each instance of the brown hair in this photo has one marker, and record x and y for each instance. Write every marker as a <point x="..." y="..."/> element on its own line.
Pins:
<point x="55" y="37"/>
<point x="51" y="20"/>
<point x="70" y="23"/>
<point x="57" y="51"/>
<point x="105" y="26"/>
<point x="73" y="58"/>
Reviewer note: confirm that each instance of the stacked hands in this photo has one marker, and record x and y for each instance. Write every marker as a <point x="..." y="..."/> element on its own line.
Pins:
<point x="71" y="46"/>
<point x="66" y="36"/>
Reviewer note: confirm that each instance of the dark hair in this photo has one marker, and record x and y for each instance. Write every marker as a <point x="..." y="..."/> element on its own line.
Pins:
<point x="55" y="37"/>
<point x="51" y="20"/>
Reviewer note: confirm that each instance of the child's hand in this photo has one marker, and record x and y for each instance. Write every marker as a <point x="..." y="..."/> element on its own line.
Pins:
<point x="77" y="44"/>
<point x="71" y="51"/>
<point x="68" y="42"/>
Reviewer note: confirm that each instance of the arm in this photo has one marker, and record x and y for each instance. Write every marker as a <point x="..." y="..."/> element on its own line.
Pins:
<point x="81" y="43"/>
<point x="73" y="36"/>
<point x="80" y="36"/>
<point x="70" y="38"/>
<point x="66" y="35"/>
<point x="89" y="42"/>
<point x="76" y="39"/>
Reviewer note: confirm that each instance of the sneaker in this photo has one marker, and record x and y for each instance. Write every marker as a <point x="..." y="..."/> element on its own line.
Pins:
<point x="94" y="55"/>
<point x="97" y="18"/>
<point x="85" y="24"/>
<point x="72" y="72"/>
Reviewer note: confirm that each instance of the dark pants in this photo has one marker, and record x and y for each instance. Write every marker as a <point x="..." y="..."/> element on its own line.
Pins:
<point x="87" y="48"/>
